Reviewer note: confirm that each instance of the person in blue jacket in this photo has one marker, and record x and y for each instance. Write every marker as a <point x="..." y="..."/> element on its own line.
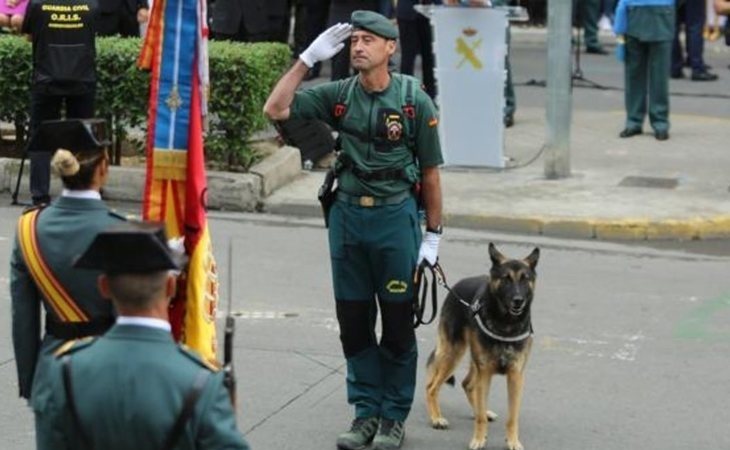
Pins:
<point x="647" y="28"/>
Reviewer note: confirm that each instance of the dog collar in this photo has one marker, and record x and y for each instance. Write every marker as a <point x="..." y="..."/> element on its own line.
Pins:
<point x="497" y="337"/>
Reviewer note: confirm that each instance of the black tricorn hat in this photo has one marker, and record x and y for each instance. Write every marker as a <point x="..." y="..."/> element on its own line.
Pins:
<point x="74" y="135"/>
<point x="129" y="248"/>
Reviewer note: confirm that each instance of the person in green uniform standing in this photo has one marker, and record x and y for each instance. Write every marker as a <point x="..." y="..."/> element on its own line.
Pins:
<point x="647" y="27"/>
<point x="390" y="145"/>
<point x="134" y="387"/>
<point x="47" y="239"/>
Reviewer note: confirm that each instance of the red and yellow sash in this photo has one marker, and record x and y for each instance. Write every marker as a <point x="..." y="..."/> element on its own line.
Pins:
<point x="58" y="299"/>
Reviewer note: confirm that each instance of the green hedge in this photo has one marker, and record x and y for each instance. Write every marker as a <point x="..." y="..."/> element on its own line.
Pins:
<point x="241" y="75"/>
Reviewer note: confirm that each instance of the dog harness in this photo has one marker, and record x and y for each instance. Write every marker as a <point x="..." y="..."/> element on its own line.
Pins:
<point x="474" y="306"/>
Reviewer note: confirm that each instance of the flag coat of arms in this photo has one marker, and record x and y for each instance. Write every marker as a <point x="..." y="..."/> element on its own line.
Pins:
<point x="175" y="51"/>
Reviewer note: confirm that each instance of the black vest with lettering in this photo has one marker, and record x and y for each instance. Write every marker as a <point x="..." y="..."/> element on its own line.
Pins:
<point x="64" y="54"/>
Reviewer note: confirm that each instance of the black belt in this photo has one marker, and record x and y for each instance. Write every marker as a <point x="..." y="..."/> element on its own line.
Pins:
<point x="75" y="330"/>
<point x="368" y="201"/>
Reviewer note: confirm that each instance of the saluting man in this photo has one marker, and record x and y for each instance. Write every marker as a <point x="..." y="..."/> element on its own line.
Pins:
<point x="389" y="143"/>
<point x="47" y="240"/>
<point x="134" y="388"/>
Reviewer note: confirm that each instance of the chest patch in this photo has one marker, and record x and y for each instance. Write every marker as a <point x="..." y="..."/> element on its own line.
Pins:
<point x="393" y="127"/>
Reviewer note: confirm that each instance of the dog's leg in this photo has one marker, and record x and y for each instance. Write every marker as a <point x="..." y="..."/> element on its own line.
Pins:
<point x="481" y="380"/>
<point x="468" y="386"/>
<point x="446" y="358"/>
<point x="515" y="383"/>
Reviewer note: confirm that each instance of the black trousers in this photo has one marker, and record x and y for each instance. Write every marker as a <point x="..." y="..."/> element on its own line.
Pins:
<point x="48" y="107"/>
<point x="692" y="14"/>
<point x="415" y="39"/>
<point x="122" y="23"/>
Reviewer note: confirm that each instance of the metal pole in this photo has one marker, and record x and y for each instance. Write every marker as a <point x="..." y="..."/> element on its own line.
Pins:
<point x="560" y="94"/>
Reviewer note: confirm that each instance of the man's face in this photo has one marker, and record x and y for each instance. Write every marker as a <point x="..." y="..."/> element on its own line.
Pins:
<point x="369" y="51"/>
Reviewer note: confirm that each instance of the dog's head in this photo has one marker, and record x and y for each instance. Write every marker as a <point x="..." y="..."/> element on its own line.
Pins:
<point x="512" y="281"/>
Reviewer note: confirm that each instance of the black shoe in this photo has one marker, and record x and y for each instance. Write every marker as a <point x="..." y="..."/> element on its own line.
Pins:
<point x="677" y="75"/>
<point x="703" y="76"/>
<point x="662" y="135"/>
<point x="629" y="132"/>
<point x="596" y="51"/>
<point x="509" y="120"/>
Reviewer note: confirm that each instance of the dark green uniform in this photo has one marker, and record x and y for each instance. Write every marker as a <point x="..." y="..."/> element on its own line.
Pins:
<point x="129" y="387"/>
<point x="374" y="232"/>
<point x="647" y="63"/>
<point x="64" y="230"/>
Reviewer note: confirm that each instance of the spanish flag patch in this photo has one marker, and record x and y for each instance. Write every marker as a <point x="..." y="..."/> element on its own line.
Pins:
<point x="433" y="122"/>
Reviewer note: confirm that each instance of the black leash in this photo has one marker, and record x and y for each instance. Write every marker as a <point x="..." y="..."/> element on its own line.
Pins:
<point x="420" y="292"/>
<point x="421" y="289"/>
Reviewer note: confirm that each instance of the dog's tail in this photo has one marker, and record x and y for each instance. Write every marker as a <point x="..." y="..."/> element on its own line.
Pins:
<point x="451" y="381"/>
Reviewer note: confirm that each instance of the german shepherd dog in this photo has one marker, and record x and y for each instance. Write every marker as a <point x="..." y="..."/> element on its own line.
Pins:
<point x="498" y="334"/>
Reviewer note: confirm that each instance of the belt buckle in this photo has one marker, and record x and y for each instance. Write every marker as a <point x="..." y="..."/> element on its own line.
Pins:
<point x="367" y="201"/>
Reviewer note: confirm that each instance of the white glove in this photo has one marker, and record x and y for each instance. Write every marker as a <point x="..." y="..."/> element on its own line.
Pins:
<point x="327" y="44"/>
<point x="177" y="245"/>
<point x="429" y="248"/>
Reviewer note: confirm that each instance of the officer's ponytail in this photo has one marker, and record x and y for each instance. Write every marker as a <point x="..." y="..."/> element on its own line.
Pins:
<point x="76" y="170"/>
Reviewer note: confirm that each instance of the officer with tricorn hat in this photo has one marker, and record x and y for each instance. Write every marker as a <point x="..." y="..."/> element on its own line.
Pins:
<point x="168" y="396"/>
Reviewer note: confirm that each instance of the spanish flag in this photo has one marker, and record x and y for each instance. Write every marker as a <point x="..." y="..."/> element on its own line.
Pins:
<point x="175" y="51"/>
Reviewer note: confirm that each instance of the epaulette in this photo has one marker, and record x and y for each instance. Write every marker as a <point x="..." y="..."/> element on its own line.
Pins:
<point x="119" y="216"/>
<point x="73" y="345"/>
<point x="195" y="356"/>
<point x="33" y="208"/>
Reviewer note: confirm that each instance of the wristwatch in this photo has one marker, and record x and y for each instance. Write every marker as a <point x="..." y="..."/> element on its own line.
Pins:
<point x="438" y="230"/>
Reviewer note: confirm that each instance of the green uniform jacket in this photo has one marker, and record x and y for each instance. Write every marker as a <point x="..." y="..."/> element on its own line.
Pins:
<point x="651" y="23"/>
<point x="129" y="386"/>
<point x="373" y="130"/>
<point x="65" y="230"/>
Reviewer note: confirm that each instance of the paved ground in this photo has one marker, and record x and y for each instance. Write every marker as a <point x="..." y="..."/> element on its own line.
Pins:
<point x="629" y="352"/>
<point x="689" y="198"/>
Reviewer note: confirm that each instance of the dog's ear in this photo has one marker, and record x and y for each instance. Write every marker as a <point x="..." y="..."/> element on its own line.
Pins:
<point x="532" y="258"/>
<point x="494" y="254"/>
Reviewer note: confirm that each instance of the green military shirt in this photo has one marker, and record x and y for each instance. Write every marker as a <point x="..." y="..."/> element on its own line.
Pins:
<point x="374" y="131"/>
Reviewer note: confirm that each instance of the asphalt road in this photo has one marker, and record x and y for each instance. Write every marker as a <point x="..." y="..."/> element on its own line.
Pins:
<point x="630" y="347"/>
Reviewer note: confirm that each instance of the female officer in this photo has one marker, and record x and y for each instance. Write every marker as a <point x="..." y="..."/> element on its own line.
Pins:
<point x="47" y="241"/>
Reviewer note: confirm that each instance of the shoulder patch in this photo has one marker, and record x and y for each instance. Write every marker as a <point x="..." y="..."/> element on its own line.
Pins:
<point x="73" y="345"/>
<point x="195" y="356"/>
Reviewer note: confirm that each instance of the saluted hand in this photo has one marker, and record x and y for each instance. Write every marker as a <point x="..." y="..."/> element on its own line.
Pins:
<point x="327" y="44"/>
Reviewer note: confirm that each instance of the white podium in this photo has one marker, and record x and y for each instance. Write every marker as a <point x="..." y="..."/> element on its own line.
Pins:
<point x="470" y="48"/>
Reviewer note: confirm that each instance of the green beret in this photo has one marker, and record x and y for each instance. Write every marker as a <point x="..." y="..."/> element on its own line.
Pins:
<point x="374" y="23"/>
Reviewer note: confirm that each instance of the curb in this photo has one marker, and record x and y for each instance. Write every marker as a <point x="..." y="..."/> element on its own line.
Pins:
<point x="698" y="228"/>
<point x="589" y="228"/>
<point x="242" y="192"/>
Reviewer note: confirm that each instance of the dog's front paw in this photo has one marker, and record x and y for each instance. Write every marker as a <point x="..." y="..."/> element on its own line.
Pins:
<point x="514" y="444"/>
<point x="440" y="423"/>
<point x="478" y="444"/>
